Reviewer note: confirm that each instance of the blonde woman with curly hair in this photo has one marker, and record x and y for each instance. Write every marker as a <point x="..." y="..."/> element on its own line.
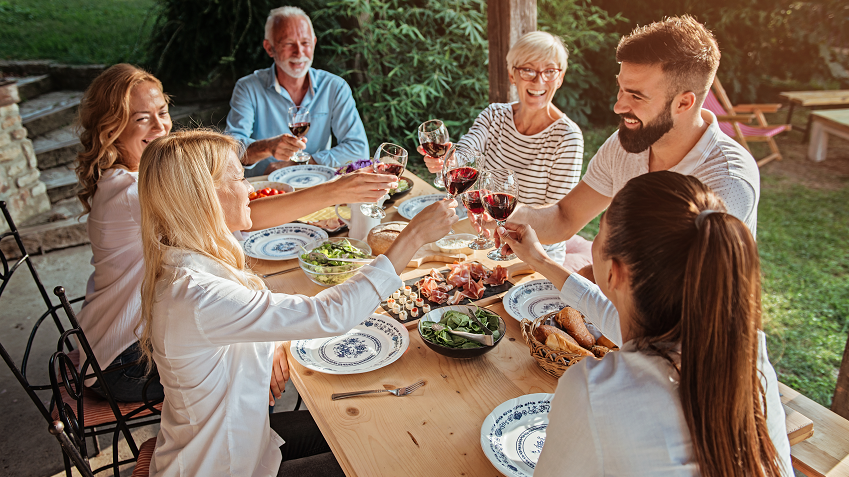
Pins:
<point x="210" y="324"/>
<point x="123" y="110"/>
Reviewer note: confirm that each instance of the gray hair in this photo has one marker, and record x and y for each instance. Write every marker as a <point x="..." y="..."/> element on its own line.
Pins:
<point x="284" y="13"/>
<point x="537" y="46"/>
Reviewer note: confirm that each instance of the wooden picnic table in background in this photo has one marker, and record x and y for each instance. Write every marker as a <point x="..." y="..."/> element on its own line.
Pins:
<point x="814" y="100"/>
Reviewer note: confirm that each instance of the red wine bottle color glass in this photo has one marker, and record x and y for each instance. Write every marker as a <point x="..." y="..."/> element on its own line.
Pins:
<point x="388" y="159"/>
<point x="299" y="124"/>
<point x="500" y="191"/>
<point x="473" y="203"/>
<point x="433" y="137"/>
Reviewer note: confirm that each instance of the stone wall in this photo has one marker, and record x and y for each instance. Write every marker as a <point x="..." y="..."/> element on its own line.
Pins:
<point x="20" y="187"/>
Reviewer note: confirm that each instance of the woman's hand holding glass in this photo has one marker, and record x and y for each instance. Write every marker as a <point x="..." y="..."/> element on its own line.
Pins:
<point x="434" y="144"/>
<point x="388" y="159"/>
<point x="500" y="193"/>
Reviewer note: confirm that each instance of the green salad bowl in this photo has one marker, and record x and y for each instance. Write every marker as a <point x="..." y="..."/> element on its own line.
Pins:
<point x="325" y="275"/>
<point x="458" y="353"/>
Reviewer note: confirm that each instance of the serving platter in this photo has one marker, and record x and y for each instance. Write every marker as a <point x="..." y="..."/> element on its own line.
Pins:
<point x="283" y="242"/>
<point x="411" y="207"/>
<point x="376" y="342"/>
<point x="305" y="175"/>
<point x="513" y="434"/>
<point x="532" y="299"/>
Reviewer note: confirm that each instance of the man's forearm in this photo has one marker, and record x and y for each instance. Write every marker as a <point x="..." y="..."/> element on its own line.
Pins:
<point x="257" y="151"/>
<point x="549" y="221"/>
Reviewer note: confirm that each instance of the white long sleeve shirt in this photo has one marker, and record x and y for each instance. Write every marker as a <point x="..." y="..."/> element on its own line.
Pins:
<point x="213" y="343"/>
<point x="622" y="415"/>
<point x="113" y="294"/>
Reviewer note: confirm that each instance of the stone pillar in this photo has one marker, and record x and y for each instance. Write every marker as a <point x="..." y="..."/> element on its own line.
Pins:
<point x="20" y="187"/>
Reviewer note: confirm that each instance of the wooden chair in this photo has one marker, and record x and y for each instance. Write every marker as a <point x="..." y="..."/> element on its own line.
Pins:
<point x="733" y="121"/>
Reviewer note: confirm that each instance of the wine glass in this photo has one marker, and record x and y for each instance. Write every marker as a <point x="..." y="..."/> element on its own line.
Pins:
<point x="299" y="124"/>
<point x="459" y="171"/>
<point x="388" y="159"/>
<point x="433" y="136"/>
<point x="500" y="191"/>
<point x="474" y="204"/>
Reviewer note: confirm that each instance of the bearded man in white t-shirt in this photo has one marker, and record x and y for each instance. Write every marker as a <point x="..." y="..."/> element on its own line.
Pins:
<point x="666" y="71"/>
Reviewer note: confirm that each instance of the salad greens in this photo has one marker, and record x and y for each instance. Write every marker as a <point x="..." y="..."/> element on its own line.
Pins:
<point x="459" y="321"/>
<point x="403" y="185"/>
<point x="328" y="271"/>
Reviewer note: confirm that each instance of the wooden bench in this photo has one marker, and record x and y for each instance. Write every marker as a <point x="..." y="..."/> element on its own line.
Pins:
<point x="823" y="123"/>
<point x="826" y="452"/>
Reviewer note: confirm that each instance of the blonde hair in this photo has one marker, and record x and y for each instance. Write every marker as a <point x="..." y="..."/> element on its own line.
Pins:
<point x="537" y="46"/>
<point x="178" y="178"/>
<point x="284" y="13"/>
<point x="104" y="113"/>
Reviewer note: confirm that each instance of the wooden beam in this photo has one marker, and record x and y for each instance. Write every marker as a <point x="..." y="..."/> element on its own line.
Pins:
<point x="507" y="21"/>
<point x="840" y="401"/>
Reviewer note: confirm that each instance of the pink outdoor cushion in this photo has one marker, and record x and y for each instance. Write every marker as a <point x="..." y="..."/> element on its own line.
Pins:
<point x="713" y="105"/>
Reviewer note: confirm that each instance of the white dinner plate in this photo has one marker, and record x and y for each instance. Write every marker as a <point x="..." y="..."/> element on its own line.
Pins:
<point x="376" y="342"/>
<point x="513" y="434"/>
<point x="283" y="242"/>
<point x="532" y="299"/>
<point x="306" y="175"/>
<point x="410" y="207"/>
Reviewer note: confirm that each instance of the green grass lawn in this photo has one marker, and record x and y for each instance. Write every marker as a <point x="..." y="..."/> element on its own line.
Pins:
<point x="74" y="31"/>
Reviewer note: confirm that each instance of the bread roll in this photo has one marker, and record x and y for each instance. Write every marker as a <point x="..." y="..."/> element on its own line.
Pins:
<point x="600" y="351"/>
<point x="603" y="341"/>
<point x="381" y="237"/>
<point x="559" y="340"/>
<point x="572" y="322"/>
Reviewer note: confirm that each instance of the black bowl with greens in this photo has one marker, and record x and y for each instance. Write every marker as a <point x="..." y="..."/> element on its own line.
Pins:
<point x="457" y="318"/>
<point x="405" y="185"/>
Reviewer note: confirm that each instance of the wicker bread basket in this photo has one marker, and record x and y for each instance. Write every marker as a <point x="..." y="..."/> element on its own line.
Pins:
<point x="551" y="361"/>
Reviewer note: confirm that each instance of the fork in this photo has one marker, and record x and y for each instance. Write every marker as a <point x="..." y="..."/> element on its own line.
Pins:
<point x="398" y="392"/>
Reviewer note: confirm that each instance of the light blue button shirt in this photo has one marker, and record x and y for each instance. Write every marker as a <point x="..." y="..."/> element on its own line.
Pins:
<point x="259" y="109"/>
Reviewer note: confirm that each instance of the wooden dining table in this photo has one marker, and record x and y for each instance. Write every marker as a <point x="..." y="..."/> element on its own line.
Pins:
<point x="436" y="430"/>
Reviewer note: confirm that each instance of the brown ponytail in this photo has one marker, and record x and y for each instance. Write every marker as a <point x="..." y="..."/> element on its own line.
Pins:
<point x="698" y="286"/>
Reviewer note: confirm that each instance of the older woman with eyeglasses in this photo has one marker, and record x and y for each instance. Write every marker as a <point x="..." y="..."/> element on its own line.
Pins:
<point x="532" y="137"/>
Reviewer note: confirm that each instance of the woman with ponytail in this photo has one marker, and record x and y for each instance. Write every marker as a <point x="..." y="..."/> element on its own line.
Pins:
<point x="691" y="391"/>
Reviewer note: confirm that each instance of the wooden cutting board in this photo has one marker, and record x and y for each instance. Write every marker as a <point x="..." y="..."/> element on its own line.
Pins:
<point x="426" y="254"/>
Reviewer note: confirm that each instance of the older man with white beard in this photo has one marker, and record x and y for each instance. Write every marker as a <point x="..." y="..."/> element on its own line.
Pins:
<point x="260" y="104"/>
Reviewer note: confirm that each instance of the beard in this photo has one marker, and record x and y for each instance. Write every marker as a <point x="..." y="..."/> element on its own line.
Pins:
<point x="638" y="140"/>
<point x="284" y="65"/>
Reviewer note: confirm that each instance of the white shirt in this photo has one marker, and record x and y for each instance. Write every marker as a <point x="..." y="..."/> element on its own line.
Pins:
<point x="717" y="160"/>
<point x="213" y="343"/>
<point x="622" y="415"/>
<point x="113" y="295"/>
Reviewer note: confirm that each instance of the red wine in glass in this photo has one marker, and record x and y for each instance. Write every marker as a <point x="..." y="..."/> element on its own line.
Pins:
<point x="472" y="201"/>
<point x="389" y="168"/>
<point x="299" y="129"/>
<point x="499" y="206"/>
<point x="434" y="149"/>
<point x="460" y="179"/>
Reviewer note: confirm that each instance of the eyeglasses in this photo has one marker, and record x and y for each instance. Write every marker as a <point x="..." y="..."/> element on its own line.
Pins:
<point x="529" y="74"/>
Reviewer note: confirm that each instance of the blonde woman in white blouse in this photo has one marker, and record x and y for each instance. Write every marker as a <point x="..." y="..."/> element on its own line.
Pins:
<point x="210" y="324"/>
<point x="691" y="391"/>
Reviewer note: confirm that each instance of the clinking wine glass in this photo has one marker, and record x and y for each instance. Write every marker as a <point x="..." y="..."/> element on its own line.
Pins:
<point x="433" y="137"/>
<point x="299" y="124"/>
<point x="500" y="191"/>
<point x="388" y="159"/>
<point x="474" y="204"/>
<point x="459" y="172"/>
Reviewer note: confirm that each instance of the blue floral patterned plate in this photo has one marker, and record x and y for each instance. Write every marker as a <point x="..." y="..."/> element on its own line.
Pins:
<point x="376" y="342"/>
<point x="532" y="299"/>
<point x="410" y="207"/>
<point x="306" y="175"/>
<point x="283" y="242"/>
<point x="513" y="434"/>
